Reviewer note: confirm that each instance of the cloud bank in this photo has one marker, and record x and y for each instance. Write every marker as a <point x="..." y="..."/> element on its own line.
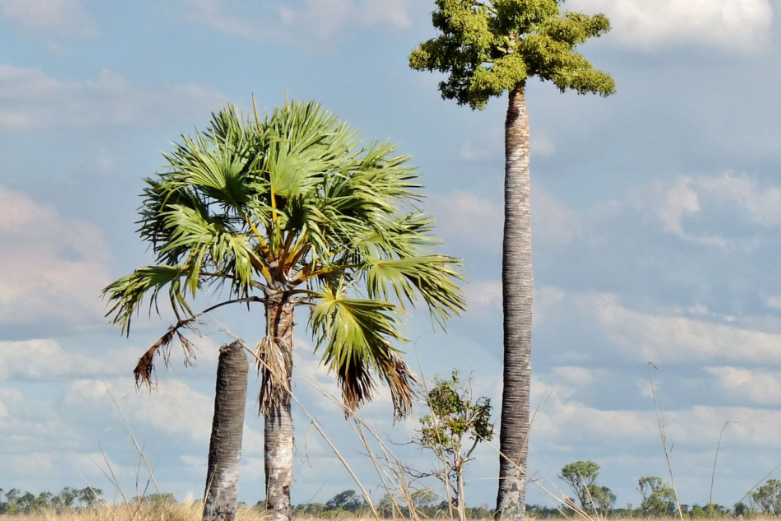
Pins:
<point x="732" y="25"/>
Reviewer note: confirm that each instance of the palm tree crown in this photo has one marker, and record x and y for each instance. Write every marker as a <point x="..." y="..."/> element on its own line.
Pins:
<point x="294" y="211"/>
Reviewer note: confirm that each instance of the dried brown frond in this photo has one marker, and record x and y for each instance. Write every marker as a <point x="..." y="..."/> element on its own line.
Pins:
<point x="146" y="364"/>
<point x="402" y="382"/>
<point x="189" y="350"/>
<point x="275" y="364"/>
<point x="357" y="384"/>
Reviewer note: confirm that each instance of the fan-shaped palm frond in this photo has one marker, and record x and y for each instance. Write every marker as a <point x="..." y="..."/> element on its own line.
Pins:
<point x="296" y="208"/>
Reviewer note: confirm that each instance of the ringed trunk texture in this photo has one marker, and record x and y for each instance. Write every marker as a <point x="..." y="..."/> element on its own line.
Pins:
<point x="517" y="290"/>
<point x="279" y="442"/>
<point x="222" y="478"/>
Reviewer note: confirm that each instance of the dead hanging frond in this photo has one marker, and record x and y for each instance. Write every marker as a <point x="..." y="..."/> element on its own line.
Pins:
<point x="146" y="364"/>
<point x="274" y="364"/>
<point x="357" y="384"/>
<point x="402" y="382"/>
<point x="189" y="350"/>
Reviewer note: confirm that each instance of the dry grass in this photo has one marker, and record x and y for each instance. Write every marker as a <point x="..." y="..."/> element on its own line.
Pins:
<point x="393" y="475"/>
<point x="187" y="511"/>
<point x="191" y="511"/>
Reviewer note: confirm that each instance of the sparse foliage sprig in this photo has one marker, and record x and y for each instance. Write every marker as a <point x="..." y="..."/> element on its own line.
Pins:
<point x="456" y="424"/>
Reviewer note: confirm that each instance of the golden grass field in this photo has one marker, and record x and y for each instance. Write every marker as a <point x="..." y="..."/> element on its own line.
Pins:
<point x="191" y="511"/>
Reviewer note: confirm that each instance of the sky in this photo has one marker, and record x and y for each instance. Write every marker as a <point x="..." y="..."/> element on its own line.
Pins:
<point x="656" y="216"/>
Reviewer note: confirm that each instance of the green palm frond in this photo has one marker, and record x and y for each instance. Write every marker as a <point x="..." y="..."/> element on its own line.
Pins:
<point x="295" y="206"/>
<point x="127" y="294"/>
<point x="211" y="241"/>
<point x="357" y="337"/>
<point x="397" y="236"/>
<point x="432" y="276"/>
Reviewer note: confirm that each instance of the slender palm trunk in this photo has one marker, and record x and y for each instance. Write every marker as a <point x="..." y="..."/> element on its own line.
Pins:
<point x="279" y="443"/>
<point x="517" y="286"/>
<point x="222" y="479"/>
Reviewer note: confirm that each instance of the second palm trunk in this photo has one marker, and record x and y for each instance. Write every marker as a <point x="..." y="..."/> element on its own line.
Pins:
<point x="517" y="288"/>
<point x="279" y="442"/>
<point x="222" y="479"/>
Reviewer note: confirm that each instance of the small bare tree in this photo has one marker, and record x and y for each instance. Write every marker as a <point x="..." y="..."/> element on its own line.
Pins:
<point x="455" y="425"/>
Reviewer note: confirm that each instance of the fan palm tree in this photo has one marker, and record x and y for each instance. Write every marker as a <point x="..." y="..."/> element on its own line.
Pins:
<point x="288" y="212"/>
<point x="489" y="48"/>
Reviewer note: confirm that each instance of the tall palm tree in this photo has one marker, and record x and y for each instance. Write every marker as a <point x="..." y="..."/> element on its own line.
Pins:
<point x="288" y="212"/>
<point x="489" y="47"/>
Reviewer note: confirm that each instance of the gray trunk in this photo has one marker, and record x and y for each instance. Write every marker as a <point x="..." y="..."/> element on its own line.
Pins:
<point x="461" y="496"/>
<point x="222" y="479"/>
<point x="517" y="287"/>
<point x="279" y="442"/>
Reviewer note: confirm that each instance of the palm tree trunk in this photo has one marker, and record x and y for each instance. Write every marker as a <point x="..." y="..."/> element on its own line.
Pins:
<point x="517" y="287"/>
<point x="279" y="442"/>
<point x="222" y="479"/>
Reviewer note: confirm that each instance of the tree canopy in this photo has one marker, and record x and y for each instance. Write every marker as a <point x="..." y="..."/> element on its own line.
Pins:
<point x="494" y="46"/>
<point x="294" y="208"/>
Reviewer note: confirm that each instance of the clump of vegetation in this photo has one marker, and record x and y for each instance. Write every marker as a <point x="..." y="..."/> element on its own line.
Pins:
<point x="452" y="430"/>
<point x="581" y="476"/>
<point x="658" y="497"/>
<point x="767" y="498"/>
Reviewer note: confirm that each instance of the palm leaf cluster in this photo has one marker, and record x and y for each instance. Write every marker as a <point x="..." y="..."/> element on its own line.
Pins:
<point x="294" y="209"/>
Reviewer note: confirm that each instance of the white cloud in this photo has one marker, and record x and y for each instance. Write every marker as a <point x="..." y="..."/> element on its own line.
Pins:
<point x="576" y="376"/>
<point x="46" y="359"/>
<point x="564" y="422"/>
<point x="671" y="339"/>
<point x="762" y="205"/>
<point x="734" y="25"/>
<point x="674" y="203"/>
<point x="173" y="408"/>
<point x="760" y="387"/>
<point x="680" y="200"/>
<point x="312" y="24"/>
<point x="467" y="217"/>
<point x="485" y="294"/>
<point x="552" y="221"/>
<point x="31" y="99"/>
<point x="35" y="464"/>
<point x="773" y="302"/>
<point x="8" y="396"/>
<point x="545" y="299"/>
<point x="474" y="151"/>
<point x="684" y="200"/>
<point x="51" y="268"/>
<point x="60" y="17"/>
<point x="541" y="145"/>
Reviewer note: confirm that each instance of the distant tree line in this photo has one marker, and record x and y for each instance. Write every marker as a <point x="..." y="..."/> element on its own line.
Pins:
<point x="15" y="501"/>
<point x="581" y="476"/>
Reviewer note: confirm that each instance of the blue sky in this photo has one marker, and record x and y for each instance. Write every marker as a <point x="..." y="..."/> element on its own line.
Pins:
<point x="656" y="220"/>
